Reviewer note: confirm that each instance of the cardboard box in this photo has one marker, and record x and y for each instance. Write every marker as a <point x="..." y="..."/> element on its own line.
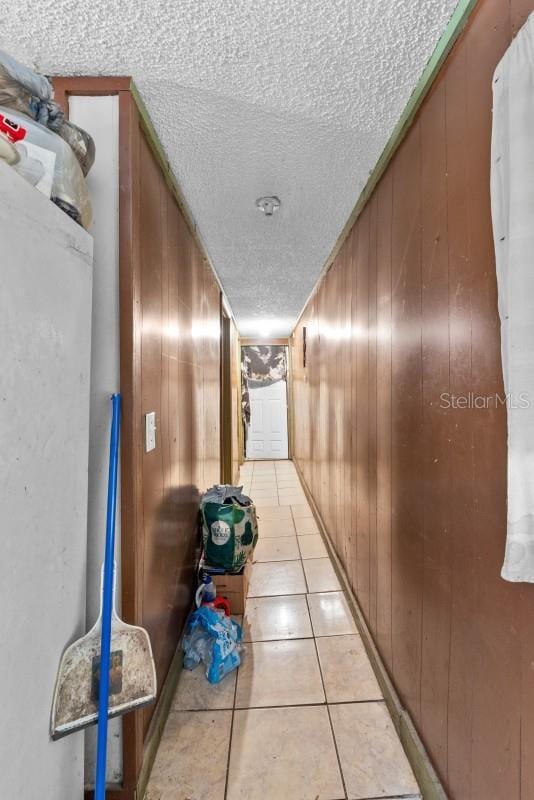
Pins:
<point x="232" y="586"/>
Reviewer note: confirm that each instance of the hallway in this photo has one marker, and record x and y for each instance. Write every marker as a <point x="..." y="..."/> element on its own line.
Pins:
<point x="303" y="718"/>
<point x="284" y="246"/>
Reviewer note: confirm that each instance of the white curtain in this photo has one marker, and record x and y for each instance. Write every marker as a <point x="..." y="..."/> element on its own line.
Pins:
<point x="512" y="202"/>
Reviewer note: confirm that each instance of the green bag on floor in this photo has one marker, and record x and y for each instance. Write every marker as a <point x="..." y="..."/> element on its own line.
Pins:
<point x="229" y="527"/>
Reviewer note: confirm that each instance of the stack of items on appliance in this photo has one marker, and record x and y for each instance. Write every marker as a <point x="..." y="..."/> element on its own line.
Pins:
<point x="230" y="534"/>
<point x="40" y="144"/>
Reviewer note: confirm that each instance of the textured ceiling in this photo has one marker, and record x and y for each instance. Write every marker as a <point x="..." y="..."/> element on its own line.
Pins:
<point x="289" y="97"/>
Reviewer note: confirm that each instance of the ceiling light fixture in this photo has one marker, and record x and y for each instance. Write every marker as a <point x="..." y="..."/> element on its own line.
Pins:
<point x="268" y="205"/>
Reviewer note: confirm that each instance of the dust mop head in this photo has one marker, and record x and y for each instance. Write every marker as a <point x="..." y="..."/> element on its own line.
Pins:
<point x="132" y="678"/>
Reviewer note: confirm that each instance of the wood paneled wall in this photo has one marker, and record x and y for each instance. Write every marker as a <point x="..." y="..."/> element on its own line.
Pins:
<point x="170" y="337"/>
<point x="413" y="493"/>
<point x="179" y="379"/>
<point x="170" y="364"/>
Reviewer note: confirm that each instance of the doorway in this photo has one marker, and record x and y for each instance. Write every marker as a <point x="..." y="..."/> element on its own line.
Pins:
<point x="265" y="374"/>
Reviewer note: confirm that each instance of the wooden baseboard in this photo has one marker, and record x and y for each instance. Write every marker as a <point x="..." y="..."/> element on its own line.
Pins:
<point x="159" y="719"/>
<point x="155" y="731"/>
<point x="425" y="773"/>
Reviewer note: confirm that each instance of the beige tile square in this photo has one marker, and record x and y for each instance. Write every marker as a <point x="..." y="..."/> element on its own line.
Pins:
<point x="306" y="525"/>
<point x="288" y="483"/>
<point x="312" y="547"/>
<point x="270" y="618"/>
<point x="187" y="741"/>
<point x="281" y="548"/>
<point x="301" y="510"/>
<point x="284" y="673"/>
<point x="283" y="754"/>
<point x="330" y="614"/>
<point x="195" y="692"/>
<point x="347" y="672"/>
<point x="265" y="498"/>
<point x="272" y="578"/>
<point x="320" y="575"/>
<point x="272" y="511"/>
<point x="273" y="528"/>
<point x="291" y="499"/>
<point x="372" y="759"/>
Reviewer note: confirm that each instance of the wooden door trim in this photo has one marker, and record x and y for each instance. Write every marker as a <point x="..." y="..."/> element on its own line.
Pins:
<point x="87" y="86"/>
<point x="290" y="402"/>
<point x="130" y="381"/>
<point x="252" y="341"/>
<point x="129" y="335"/>
<point x="226" y="398"/>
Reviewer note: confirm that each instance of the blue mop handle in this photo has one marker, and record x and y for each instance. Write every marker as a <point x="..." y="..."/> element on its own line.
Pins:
<point x="107" y="603"/>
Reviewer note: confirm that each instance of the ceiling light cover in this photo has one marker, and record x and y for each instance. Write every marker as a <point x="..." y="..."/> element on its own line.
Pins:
<point x="268" y="205"/>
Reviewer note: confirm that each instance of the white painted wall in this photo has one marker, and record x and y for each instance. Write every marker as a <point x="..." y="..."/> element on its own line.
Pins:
<point x="45" y="332"/>
<point x="100" y="117"/>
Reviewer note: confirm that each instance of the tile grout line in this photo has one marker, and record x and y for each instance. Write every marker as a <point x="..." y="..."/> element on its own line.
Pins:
<point x="319" y="662"/>
<point x="294" y="594"/>
<point x="314" y="637"/>
<point x="289" y="705"/>
<point x="327" y="705"/>
<point x="233" y="711"/>
<point x="297" y="705"/>
<point x="322" y="676"/>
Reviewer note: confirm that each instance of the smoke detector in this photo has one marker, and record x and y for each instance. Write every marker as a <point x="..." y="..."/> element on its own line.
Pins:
<point x="268" y="205"/>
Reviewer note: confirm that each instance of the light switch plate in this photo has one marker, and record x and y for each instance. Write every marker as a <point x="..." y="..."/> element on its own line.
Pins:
<point x="150" y="431"/>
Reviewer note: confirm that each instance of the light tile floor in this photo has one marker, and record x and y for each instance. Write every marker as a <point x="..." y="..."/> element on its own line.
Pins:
<point x="303" y="718"/>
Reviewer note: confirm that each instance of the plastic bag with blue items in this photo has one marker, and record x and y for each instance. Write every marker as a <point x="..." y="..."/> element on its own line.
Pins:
<point x="213" y="639"/>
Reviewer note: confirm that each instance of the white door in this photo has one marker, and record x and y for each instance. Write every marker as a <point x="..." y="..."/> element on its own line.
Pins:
<point x="267" y="432"/>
